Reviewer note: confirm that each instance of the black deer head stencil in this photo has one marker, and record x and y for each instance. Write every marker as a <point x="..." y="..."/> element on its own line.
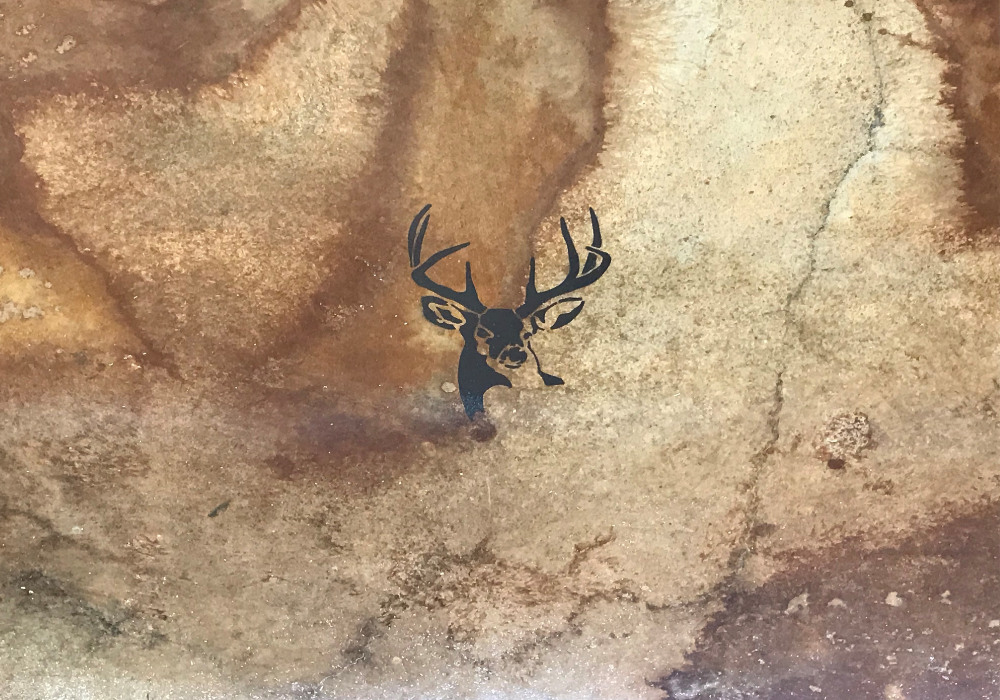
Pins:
<point x="500" y="339"/>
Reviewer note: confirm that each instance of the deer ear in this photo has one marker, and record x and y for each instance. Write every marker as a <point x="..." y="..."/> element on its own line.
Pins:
<point x="557" y="314"/>
<point x="443" y="313"/>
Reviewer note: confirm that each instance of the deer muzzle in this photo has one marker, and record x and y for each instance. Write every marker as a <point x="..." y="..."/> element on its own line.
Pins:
<point x="513" y="356"/>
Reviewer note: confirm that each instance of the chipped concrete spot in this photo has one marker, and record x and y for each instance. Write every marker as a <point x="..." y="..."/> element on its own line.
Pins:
<point x="9" y="310"/>
<point x="67" y="44"/>
<point x="844" y="436"/>
<point x="797" y="604"/>
<point x="893" y="692"/>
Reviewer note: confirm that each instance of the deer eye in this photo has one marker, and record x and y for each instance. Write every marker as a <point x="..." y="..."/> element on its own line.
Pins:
<point x="483" y="333"/>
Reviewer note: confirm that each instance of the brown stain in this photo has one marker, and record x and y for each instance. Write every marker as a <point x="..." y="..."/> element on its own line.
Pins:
<point x="121" y="44"/>
<point x="967" y="34"/>
<point x="847" y="641"/>
<point x="178" y="44"/>
<point x="490" y="156"/>
<point x="358" y="445"/>
<point x="317" y="436"/>
<point x="30" y="237"/>
<point x="366" y="253"/>
<point x="468" y="129"/>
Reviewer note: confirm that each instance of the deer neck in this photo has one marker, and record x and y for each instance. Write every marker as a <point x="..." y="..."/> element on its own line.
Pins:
<point x="475" y="378"/>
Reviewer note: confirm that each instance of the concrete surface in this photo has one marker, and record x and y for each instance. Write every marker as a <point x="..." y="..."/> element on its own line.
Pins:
<point x="232" y="462"/>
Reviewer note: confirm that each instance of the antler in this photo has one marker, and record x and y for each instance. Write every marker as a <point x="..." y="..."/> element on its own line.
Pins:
<point x="596" y="265"/>
<point x="468" y="298"/>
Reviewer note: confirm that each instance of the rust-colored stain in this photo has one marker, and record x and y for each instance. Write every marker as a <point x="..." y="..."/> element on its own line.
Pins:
<point x="84" y="286"/>
<point x="487" y="111"/>
<point x="968" y="36"/>
<point x="64" y="47"/>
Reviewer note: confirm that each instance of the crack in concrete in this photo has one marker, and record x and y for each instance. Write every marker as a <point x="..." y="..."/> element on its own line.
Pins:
<point x="876" y="122"/>
<point x="753" y="527"/>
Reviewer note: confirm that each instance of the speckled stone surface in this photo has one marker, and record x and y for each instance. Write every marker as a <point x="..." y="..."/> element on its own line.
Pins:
<point x="233" y="460"/>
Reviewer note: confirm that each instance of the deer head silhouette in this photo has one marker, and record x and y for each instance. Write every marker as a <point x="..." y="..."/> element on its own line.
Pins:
<point x="499" y="338"/>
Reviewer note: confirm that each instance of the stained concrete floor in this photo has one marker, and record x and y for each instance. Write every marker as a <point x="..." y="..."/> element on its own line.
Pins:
<point x="233" y="463"/>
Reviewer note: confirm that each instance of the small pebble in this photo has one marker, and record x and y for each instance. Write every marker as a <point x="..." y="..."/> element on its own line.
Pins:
<point x="994" y="623"/>
<point x="26" y="272"/>
<point x="448" y="388"/>
<point x="396" y="661"/>
<point x="893" y="599"/>
<point x="836" y="603"/>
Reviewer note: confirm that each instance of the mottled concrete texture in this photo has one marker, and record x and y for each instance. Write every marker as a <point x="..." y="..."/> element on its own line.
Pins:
<point x="232" y="461"/>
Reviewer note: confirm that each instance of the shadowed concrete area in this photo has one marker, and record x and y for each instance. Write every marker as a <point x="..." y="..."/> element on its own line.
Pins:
<point x="233" y="461"/>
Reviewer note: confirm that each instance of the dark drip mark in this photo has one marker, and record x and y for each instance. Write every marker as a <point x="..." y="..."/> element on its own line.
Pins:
<point x="219" y="509"/>
<point x="498" y="338"/>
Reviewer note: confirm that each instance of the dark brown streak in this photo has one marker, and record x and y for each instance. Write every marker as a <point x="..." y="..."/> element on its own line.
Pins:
<point x="972" y="56"/>
<point x="371" y="211"/>
<point x="757" y="647"/>
<point x="573" y="168"/>
<point x="373" y="205"/>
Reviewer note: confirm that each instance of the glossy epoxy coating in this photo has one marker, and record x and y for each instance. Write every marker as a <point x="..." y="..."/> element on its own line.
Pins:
<point x="770" y="466"/>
